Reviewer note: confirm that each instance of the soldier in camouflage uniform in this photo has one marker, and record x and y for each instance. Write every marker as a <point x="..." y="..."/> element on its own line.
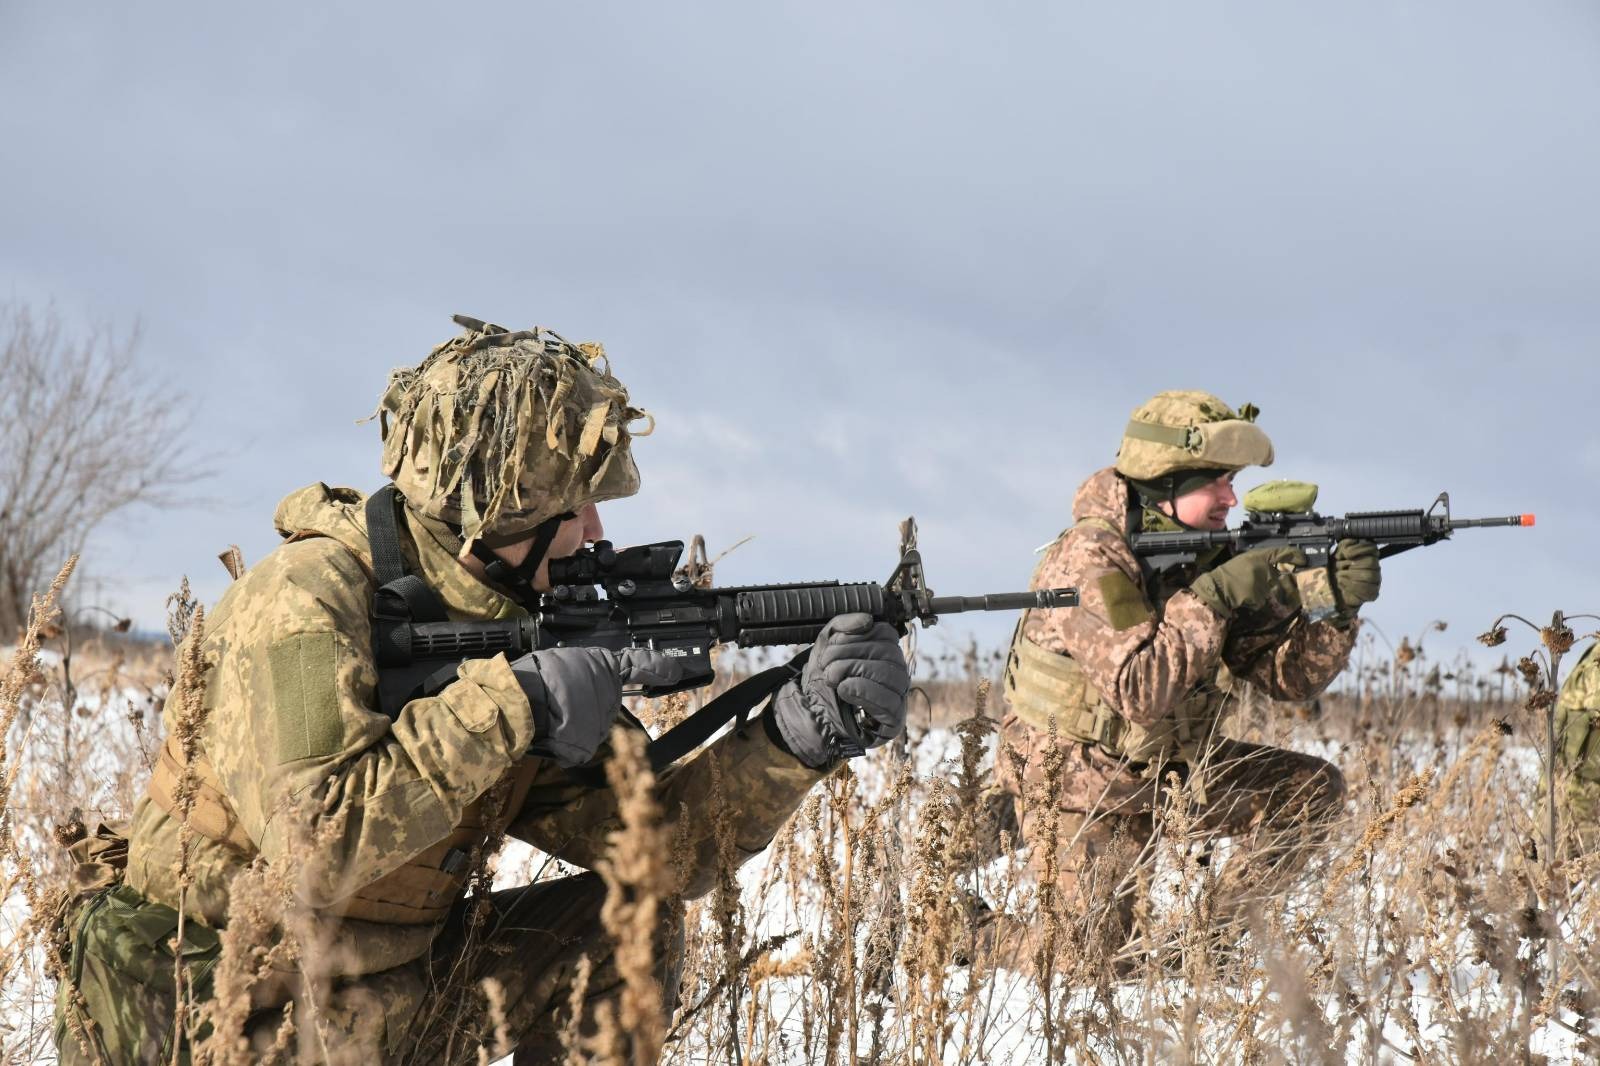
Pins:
<point x="508" y="440"/>
<point x="1578" y="755"/>
<point x="1134" y="681"/>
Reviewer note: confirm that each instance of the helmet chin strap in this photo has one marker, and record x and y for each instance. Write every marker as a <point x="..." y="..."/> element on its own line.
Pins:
<point x="519" y="578"/>
<point x="1171" y="486"/>
<point x="1172" y="501"/>
<point x="1150" y="501"/>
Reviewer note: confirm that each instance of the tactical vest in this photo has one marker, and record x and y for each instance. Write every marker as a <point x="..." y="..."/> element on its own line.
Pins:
<point x="1041" y="684"/>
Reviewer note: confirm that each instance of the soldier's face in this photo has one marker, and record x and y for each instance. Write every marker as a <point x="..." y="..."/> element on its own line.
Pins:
<point x="1207" y="507"/>
<point x="575" y="532"/>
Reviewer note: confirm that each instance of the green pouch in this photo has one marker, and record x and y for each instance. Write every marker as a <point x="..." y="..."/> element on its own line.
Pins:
<point x="1281" y="497"/>
<point x="123" y="969"/>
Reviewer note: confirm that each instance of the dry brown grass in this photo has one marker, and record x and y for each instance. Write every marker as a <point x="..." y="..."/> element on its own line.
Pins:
<point x="1424" y="932"/>
<point x="78" y="713"/>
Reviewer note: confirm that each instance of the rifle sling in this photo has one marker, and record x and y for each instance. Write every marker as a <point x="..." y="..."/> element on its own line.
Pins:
<point x="519" y="578"/>
<point x="734" y="704"/>
<point x="402" y="596"/>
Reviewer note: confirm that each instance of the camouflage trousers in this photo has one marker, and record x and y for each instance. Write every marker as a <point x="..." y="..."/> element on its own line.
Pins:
<point x="1276" y="805"/>
<point x="530" y="940"/>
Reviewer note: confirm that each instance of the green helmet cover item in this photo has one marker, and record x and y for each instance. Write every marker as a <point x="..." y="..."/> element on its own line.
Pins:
<point x="497" y="431"/>
<point x="1281" y="497"/>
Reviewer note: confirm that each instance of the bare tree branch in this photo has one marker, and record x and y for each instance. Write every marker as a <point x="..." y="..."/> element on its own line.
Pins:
<point x="84" y="434"/>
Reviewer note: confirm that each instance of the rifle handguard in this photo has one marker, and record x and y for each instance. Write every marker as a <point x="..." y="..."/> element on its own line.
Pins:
<point x="815" y="605"/>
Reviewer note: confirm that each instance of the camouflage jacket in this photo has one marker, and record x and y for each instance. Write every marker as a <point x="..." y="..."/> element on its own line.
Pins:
<point x="303" y="755"/>
<point x="1578" y="734"/>
<point x="1145" y="649"/>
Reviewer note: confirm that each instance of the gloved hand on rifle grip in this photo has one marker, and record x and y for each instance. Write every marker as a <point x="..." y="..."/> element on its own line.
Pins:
<point x="850" y="696"/>
<point x="575" y="694"/>
<point x="1355" y="574"/>
<point x="1250" y="581"/>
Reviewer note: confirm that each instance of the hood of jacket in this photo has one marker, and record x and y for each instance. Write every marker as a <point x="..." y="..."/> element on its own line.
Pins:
<point x="1104" y="497"/>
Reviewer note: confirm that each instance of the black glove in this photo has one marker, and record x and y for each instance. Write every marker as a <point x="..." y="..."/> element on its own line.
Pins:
<point x="575" y="694"/>
<point x="1251" y="581"/>
<point x="851" y="695"/>
<point x="1355" y="575"/>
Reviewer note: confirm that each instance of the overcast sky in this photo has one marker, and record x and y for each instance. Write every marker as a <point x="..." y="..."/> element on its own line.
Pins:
<point x="860" y="260"/>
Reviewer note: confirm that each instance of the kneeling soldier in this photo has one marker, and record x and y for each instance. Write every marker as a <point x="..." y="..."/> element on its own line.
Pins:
<point x="1133" y="680"/>
<point x="500" y="446"/>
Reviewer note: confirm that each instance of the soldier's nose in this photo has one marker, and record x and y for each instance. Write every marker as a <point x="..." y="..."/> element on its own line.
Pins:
<point x="593" y="528"/>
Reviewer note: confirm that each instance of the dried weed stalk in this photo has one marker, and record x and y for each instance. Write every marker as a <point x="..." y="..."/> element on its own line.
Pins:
<point x="640" y="882"/>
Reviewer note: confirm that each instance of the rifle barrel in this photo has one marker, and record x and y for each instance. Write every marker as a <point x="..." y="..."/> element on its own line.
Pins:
<point x="1005" y="601"/>
<point x="1508" y="520"/>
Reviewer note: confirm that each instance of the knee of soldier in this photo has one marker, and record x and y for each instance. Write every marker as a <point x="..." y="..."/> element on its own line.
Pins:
<point x="999" y="812"/>
<point x="1325" y="791"/>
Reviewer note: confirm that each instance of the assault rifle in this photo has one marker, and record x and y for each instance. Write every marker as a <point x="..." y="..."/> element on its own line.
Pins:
<point x="649" y="602"/>
<point x="1315" y="534"/>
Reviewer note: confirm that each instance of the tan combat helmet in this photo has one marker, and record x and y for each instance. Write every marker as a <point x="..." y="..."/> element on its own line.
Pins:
<point x="1178" y="431"/>
<point x="498" y="431"/>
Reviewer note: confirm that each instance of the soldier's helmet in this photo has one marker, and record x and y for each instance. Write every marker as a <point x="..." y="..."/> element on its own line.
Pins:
<point x="497" y="431"/>
<point x="1180" y="431"/>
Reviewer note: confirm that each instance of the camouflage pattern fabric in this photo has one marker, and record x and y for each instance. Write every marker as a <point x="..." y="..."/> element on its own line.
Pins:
<point x="1276" y="804"/>
<point x="1145" y="662"/>
<point x="530" y="941"/>
<point x="123" y="962"/>
<point x="433" y="1010"/>
<point x="1187" y="430"/>
<point x="531" y="945"/>
<point x="323" y="782"/>
<point x="1143" y="667"/>
<point x="1578" y="740"/>
<point x="496" y="431"/>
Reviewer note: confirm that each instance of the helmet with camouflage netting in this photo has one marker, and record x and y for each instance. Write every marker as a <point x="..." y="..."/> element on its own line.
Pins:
<point x="497" y="432"/>
<point x="1180" y="431"/>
